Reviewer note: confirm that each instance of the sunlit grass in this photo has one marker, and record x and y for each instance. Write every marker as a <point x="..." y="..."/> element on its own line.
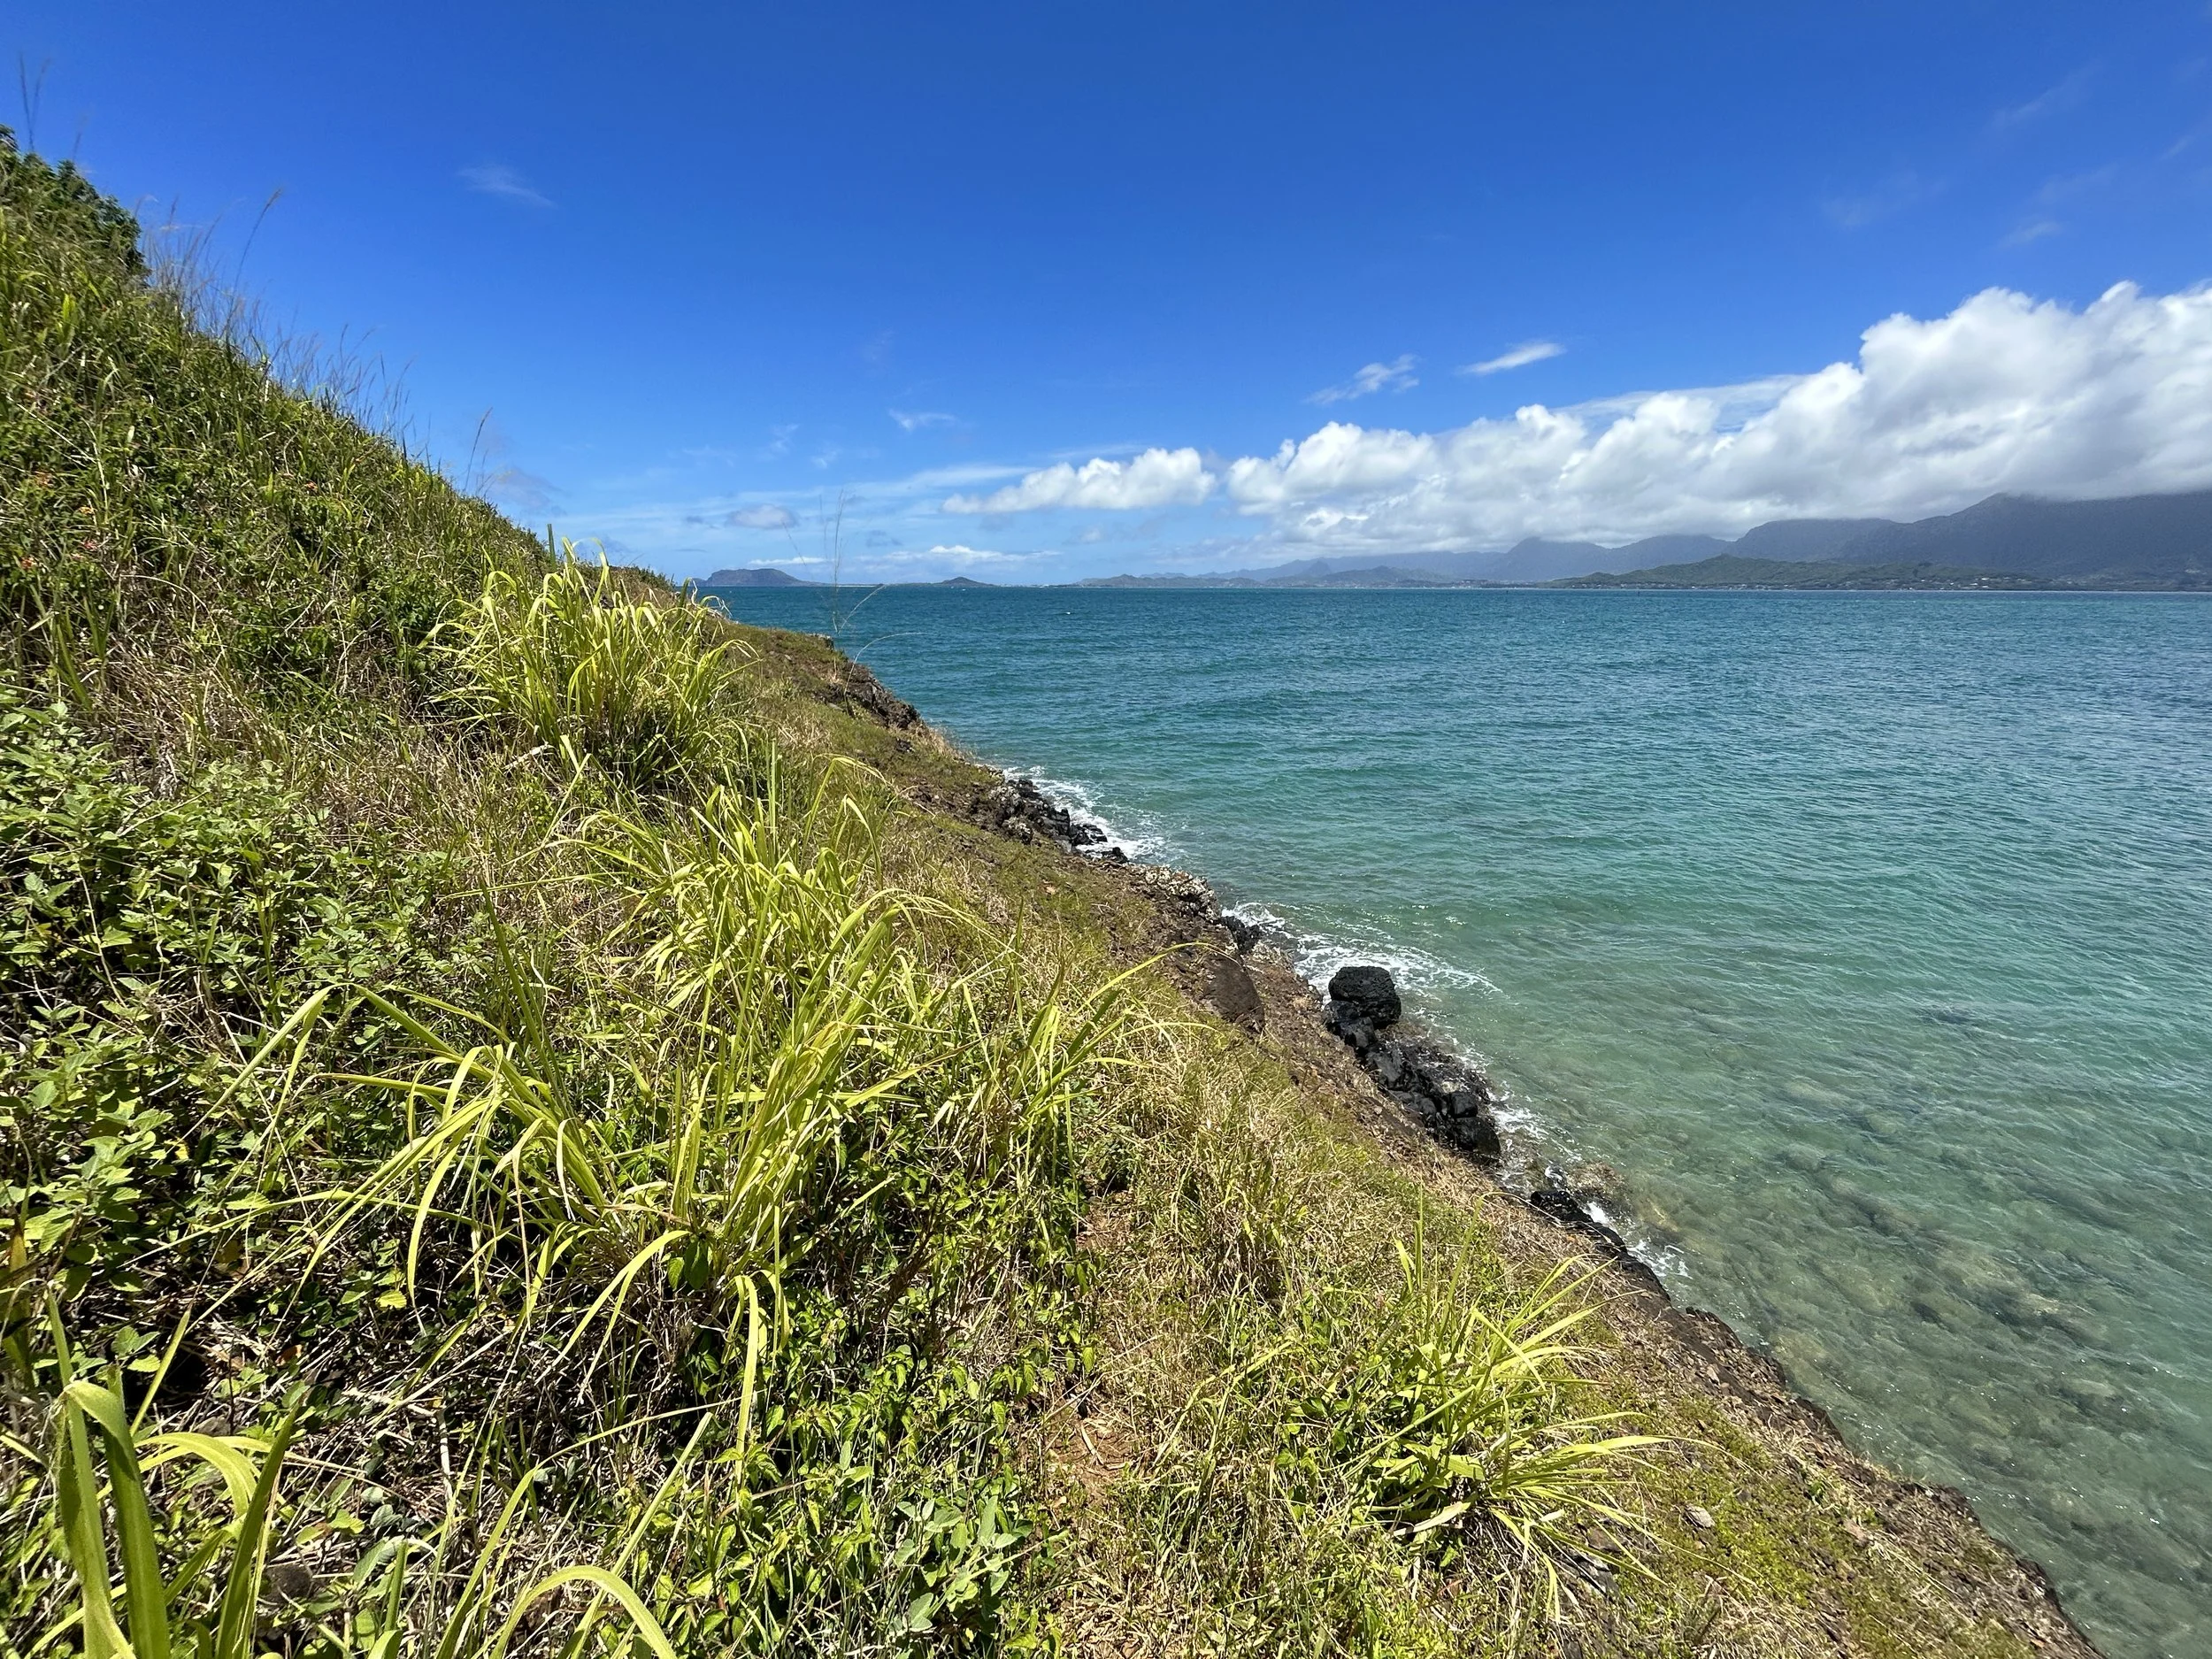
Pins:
<point x="644" y="690"/>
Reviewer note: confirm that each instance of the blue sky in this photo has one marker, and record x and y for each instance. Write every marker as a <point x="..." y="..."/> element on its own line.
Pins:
<point x="1041" y="291"/>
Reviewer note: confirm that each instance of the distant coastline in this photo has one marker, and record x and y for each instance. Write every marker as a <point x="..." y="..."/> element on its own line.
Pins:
<point x="2005" y="543"/>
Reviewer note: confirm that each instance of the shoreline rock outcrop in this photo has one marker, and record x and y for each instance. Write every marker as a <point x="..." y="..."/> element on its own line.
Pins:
<point x="1016" y="807"/>
<point x="1445" y="1095"/>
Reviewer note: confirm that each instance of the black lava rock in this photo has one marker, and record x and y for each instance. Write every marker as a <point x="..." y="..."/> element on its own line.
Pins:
<point x="859" y="688"/>
<point x="1389" y="1065"/>
<point x="1565" y="1207"/>
<point x="1476" y="1136"/>
<point x="1367" y="993"/>
<point x="1348" y="1026"/>
<point x="1433" y="1087"/>
<point x="1018" y="807"/>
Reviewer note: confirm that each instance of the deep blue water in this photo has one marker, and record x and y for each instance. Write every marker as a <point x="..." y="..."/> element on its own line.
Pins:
<point x="1866" y="937"/>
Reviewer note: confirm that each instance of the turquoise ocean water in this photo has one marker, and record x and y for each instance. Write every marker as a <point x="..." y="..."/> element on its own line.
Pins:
<point x="1866" y="937"/>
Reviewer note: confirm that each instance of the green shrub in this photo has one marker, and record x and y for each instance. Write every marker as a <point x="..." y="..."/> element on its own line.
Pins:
<point x="145" y="944"/>
<point x="1468" y="1425"/>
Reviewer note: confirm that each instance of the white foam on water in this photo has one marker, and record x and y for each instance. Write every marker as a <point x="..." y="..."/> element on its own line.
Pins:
<point x="1318" y="956"/>
<point x="1534" y="1148"/>
<point x="1148" y="843"/>
<point x="1536" y="1151"/>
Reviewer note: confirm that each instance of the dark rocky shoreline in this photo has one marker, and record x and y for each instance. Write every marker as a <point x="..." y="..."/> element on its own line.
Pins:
<point x="1444" y="1095"/>
<point x="1440" y="1091"/>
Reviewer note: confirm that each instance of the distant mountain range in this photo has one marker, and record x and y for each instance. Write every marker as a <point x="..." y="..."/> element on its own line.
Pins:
<point x="2138" y="541"/>
<point x="1727" y="570"/>
<point x="769" y="576"/>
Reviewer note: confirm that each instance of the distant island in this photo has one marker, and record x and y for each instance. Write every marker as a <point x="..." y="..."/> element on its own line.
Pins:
<point x="2154" y="542"/>
<point x="767" y="576"/>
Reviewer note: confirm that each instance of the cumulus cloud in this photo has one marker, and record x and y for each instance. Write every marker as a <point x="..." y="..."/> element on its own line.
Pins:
<point x="1375" y="377"/>
<point x="492" y="178"/>
<point x="2002" y="394"/>
<point x="767" y="518"/>
<point x="1517" y="357"/>
<point x="1158" y="478"/>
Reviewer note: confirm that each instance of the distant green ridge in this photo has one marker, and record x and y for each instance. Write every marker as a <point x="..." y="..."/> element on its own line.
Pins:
<point x="1729" y="571"/>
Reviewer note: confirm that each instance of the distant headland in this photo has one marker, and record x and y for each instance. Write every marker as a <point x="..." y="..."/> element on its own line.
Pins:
<point x="2006" y="542"/>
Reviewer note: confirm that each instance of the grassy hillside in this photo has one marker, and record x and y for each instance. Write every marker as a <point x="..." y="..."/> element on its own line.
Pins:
<point x="535" y="1120"/>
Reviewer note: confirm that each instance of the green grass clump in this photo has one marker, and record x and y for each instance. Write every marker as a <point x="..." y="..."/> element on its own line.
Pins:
<point x="644" y="690"/>
<point x="1468" y="1421"/>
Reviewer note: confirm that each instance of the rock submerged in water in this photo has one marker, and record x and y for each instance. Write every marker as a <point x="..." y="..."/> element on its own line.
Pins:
<point x="1367" y="994"/>
<point x="1565" y="1207"/>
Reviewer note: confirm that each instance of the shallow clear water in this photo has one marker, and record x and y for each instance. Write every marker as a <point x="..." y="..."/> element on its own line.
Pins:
<point x="1869" y="937"/>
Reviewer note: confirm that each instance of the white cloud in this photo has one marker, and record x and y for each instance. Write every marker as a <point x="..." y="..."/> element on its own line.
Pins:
<point x="955" y="555"/>
<point x="1895" y="194"/>
<point x="1517" y="357"/>
<point x="2033" y="230"/>
<point x="911" y="420"/>
<point x="491" y="178"/>
<point x="1375" y="377"/>
<point x="766" y="518"/>
<point x="2053" y="101"/>
<point x="2002" y="394"/>
<point x="1158" y="478"/>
